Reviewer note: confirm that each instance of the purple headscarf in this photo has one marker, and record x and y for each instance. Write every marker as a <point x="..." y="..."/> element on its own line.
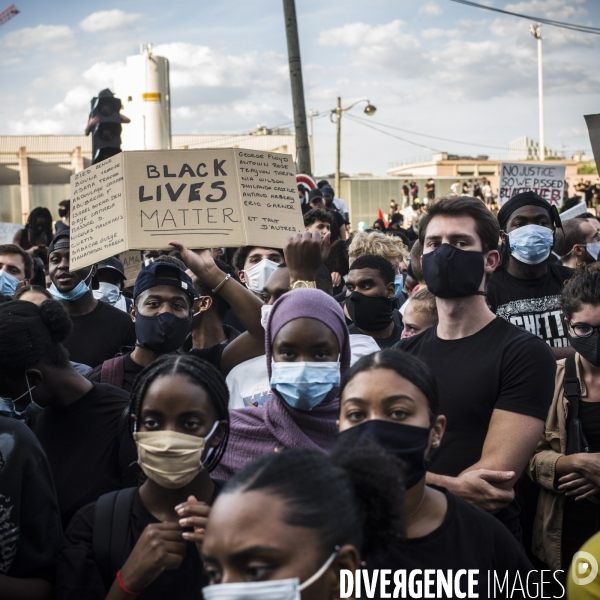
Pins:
<point x="275" y="424"/>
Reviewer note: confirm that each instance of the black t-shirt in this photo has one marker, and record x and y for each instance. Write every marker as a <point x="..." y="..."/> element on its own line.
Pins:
<point x="387" y="342"/>
<point x="338" y="221"/>
<point x="30" y="531"/>
<point x="89" y="447"/>
<point x="532" y="304"/>
<point x="211" y="354"/>
<point x="499" y="367"/>
<point x="100" y="335"/>
<point x="79" y="577"/>
<point x="467" y="539"/>
<point x="130" y="371"/>
<point x="589" y="413"/>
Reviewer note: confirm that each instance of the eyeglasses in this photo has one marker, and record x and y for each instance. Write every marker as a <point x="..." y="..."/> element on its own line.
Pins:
<point x="583" y="330"/>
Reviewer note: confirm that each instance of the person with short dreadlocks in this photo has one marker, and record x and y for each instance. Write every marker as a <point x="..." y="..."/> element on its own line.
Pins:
<point x="143" y="541"/>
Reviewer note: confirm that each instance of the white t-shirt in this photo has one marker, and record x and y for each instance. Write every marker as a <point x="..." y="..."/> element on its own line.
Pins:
<point x="248" y="382"/>
<point x="341" y="206"/>
<point x="454" y="188"/>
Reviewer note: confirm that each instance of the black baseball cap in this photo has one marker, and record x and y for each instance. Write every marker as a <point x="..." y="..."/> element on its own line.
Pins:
<point x="314" y="194"/>
<point x="60" y="241"/>
<point x="112" y="263"/>
<point x="163" y="273"/>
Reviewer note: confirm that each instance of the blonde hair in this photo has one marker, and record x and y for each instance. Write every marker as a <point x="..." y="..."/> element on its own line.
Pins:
<point x="426" y="302"/>
<point x="377" y="243"/>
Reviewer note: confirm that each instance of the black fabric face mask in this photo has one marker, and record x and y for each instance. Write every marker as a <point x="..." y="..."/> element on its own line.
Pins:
<point x="163" y="333"/>
<point x="62" y="212"/>
<point x="406" y="442"/>
<point x="370" y="313"/>
<point x="588" y="347"/>
<point x="453" y="273"/>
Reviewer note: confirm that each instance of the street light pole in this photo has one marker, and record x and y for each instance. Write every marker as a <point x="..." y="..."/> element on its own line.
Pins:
<point x="369" y="110"/>
<point x="536" y="32"/>
<point x="311" y="115"/>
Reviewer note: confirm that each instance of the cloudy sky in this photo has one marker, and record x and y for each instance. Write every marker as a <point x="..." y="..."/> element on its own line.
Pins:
<point x="432" y="67"/>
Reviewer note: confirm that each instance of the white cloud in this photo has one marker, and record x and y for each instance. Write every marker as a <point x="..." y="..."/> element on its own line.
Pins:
<point x="550" y="9"/>
<point x="50" y="38"/>
<point x="108" y="19"/>
<point x="101" y="74"/>
<point x="431" y="9"/>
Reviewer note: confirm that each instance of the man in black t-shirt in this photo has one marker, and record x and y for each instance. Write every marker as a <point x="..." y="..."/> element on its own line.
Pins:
<point x="370" y="300"/>
<point x="99" y="330"/>
<point x="525" y="291"/>
<point x="496" y="381"/>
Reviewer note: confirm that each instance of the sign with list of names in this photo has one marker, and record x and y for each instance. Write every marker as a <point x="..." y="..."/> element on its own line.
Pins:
<point x="546" y="179"/>
<point x="226" y="197"/>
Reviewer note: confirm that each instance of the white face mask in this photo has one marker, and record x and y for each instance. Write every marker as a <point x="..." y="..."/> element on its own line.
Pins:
<point x="107" y="292"/>
<point x="278" y="589"/>
<point x="593" y="249"/>
<point x="265" y="311"/>
<point x="259" y="274"/>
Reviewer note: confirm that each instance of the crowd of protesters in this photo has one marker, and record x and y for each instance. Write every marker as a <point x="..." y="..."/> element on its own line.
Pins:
<point x="250" y="423"/>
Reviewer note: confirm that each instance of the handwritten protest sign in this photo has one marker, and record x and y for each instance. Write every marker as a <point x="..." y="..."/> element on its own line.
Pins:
<point x="545" y="179"/>
<point x="132" y="264"/>
<point x="225" y="197"/>
<point x="7" y="232"/>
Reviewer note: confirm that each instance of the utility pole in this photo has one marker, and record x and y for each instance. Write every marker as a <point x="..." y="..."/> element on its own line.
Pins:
<point x="291" y="30"/>
<point x="536" y="32"/>
<point x="311" y="115"/>
<point x="338" y="144"/>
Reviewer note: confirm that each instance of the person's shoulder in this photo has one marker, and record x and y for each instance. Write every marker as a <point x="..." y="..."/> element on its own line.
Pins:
<point x="561" y="271"/>
<point x="476" y="518"/>
<point x="95" y="375"/>
<point x="82" y="522"/>
<point x="416" y="341"/>
<point x="110" y="312"/>
<point x="19" y="432"/>
<point x="110" y="393"/>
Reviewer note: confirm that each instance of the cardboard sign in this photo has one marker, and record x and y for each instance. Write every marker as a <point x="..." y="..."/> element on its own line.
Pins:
<point x="578" y="209"/>
<point x="546" y="179"/>
<point x="7" y="232"/>
<point x="226" y="197"/>
<point x="132" y="263"/>
<point x="593" y="125"/>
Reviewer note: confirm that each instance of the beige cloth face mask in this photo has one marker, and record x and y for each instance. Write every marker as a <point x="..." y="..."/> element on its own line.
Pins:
<point x="169" y="458"/>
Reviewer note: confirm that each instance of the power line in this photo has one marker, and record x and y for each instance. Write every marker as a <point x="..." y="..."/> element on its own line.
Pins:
<point x="434" y="137"/>
<point x="564" y="25"/>
<point x="360" y="122"/>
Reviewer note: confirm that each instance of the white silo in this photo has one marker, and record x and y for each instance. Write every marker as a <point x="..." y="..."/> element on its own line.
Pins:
<point x="143" y="86"/>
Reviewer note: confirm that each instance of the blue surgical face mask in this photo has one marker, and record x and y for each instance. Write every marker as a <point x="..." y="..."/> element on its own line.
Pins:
<point x="531" y="244"/>
<point x="8" y="284"/>
<point x="304" y="385"/>
<point x="398" y="285"/>
<point x="79" y="290"/>
<point x="107" y="292"/>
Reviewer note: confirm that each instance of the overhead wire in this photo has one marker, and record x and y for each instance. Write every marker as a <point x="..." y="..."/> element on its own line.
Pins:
<point x="360" y="122"/>
<point x="434" y="137"/>
<point x="552" y="22"/>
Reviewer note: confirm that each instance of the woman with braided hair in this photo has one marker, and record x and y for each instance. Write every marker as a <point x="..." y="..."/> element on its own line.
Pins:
<point x="145" y="541"/>
<point x="78" y="423"/>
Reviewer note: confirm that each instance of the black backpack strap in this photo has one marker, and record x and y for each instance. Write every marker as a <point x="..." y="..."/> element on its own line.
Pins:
<point x="572" y="387"/>
<point x="112" y="520"/>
